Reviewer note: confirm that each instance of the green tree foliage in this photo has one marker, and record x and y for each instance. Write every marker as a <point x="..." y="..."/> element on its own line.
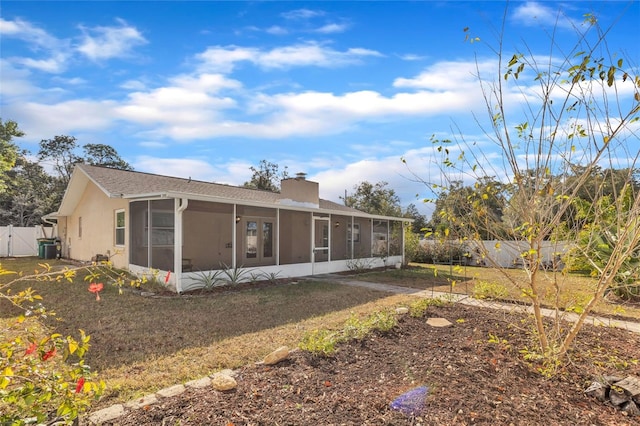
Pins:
<point x="266" y="176"/>
<point x="481" y="204"/>
<point x="104" y="155"/>
<point x="601" y="233"/>
<point x="59" y="152"/>
<point x="30" y="194"/>
<point x="9" y="152"/>
<point x="420" y="224"/>
<point x="374" y="199"/>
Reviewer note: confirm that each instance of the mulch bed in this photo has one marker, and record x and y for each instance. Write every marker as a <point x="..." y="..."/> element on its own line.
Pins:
<point x="474" y="370"/>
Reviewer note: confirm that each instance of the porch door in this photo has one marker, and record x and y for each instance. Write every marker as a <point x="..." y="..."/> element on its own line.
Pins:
<point x="258" y="244"/>
<point x="320" y="258"/>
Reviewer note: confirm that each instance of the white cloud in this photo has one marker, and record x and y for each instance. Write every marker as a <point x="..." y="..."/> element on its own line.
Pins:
<point x="449" y="75"/>
<point x="55" y="64"/>
<point x="26" y="31"/>
<point x="412" y="57"/>
<point x="177" y="167"/>
<point x="302" y="14"/>
<point x="41" y="121"/>
<point x="189" y="102"/>
<point x="276" y="30"/>
<point x="53" y="51"/>
<point x="133" y="85"/>
<point x="332" y="29"/>
<point x="15" y="82"/>
<point x="533" y="14"/>
<point x="223" y="59"/>
<point x="100" y="42"/>
<point x="229" y="172"/>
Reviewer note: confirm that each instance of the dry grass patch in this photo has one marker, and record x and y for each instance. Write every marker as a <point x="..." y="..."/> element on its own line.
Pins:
<point x="141" y="343"/>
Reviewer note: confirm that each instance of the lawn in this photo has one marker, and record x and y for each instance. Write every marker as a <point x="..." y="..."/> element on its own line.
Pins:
<point x="141" y="343"/>
<point x="575" y="288"/>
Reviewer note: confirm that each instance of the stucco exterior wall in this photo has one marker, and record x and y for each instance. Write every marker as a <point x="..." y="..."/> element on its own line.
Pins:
<point x="90" y="230"/>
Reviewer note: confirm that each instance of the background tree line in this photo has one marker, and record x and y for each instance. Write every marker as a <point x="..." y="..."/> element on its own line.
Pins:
<point x="33" y="185"/>
<point x="490" y="202"/>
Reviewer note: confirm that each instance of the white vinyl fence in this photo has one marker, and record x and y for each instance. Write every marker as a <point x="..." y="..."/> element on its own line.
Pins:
<point x="506" y="254"/>
<point x="22" y="241"/>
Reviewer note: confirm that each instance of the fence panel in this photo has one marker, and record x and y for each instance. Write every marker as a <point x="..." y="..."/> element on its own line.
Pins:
<point x="21" y="241"/>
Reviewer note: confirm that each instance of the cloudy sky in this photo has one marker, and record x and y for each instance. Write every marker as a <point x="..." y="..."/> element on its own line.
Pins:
<point x="339" y="90"/>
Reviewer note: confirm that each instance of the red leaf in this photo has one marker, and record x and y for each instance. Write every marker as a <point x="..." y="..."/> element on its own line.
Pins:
<point x="31" y="349"/>
<point x="80" y="385"/>
<point x="166" y="279"/>
<point x="49" y="354"/>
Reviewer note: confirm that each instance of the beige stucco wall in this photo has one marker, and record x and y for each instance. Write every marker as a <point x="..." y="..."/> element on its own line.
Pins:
<point x="300" y="190"/>
<point x="98" y="228"/>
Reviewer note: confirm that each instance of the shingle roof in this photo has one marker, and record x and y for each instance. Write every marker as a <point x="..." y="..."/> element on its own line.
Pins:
<point x="129" y="184"/>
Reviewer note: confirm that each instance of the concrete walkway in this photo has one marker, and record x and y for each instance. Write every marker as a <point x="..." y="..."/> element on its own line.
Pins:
<point x="468" y="300"/>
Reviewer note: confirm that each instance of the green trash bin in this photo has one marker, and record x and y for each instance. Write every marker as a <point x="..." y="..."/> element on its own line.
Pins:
<point x="41" y="243"/>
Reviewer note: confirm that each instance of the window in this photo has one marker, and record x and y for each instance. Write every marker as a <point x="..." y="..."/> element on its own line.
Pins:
<point x="80" y="227"/>
<point x="356" y="233"/>
<point x="120" y="228"/>
<point x="162" y="228"/>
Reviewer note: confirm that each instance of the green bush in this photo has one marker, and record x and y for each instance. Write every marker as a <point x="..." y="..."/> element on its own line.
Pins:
<point x="488" y="290"/>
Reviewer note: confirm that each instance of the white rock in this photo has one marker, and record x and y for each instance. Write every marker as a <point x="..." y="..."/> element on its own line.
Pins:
<point x="106" y="414"/>
<point x="171" y="391"/>
<point x="276" y="356"/>
<point x="142" y="402"/>
<point x="222" y="382"/>
<point x="402" y="310"/>
<point x="199" y="383"/>
<point x="439" y="322"/>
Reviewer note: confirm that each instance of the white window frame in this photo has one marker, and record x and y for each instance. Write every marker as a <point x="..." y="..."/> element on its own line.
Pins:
<point x="116" y="228"/>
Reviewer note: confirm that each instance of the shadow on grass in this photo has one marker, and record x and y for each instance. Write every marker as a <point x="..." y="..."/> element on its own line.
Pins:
<point x="422" y="277"/>
<point x="129" y="328"/>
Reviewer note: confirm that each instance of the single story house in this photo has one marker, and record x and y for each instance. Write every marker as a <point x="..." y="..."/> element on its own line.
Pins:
<point x="183" y="227"/>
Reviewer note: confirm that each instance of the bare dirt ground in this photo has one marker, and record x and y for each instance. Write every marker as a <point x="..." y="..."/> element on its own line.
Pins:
<point x="474" y="370"/>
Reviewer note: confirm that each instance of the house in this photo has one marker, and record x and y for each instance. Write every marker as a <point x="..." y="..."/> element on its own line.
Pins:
<point x="182" y="227"/>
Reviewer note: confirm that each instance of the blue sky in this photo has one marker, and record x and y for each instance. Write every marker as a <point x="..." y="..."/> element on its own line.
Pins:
<point x="339" y="90"/>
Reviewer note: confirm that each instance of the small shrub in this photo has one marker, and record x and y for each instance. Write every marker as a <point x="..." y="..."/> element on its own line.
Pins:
<point x="359" y="265"/>
<point x="419" y="308"/>
<point x="319" y="342"/>
<point x="207" y="280"/>
<point x="43" y="378"/>
<point x="489" y="290"/>
<point x="235" y="275"/>
<point x="323" y="342"/>
<point x="272" y="277"/>
<point x="355" y="328"/>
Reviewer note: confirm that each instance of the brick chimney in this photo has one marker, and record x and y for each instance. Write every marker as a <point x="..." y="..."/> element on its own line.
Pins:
<point x="299" y="190"/>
